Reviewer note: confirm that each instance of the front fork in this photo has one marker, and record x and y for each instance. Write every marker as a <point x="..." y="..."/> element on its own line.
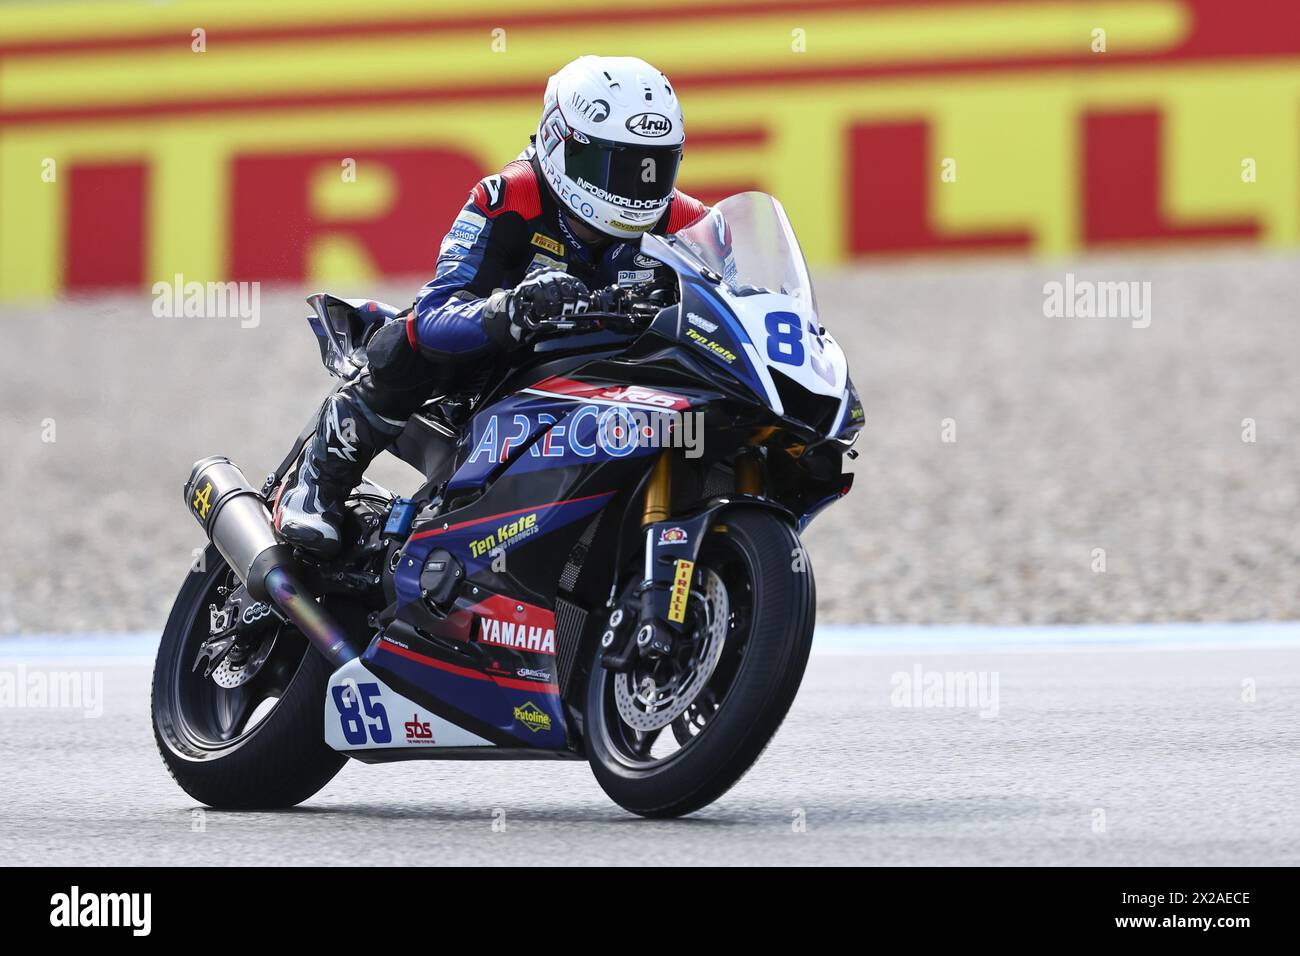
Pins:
<point x="662" y="596"/>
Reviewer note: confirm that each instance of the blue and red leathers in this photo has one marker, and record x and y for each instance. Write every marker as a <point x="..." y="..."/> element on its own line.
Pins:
<point x="453" y="338"/>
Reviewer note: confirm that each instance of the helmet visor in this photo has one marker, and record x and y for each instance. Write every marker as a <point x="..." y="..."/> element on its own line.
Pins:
<point x="625" y="174"/>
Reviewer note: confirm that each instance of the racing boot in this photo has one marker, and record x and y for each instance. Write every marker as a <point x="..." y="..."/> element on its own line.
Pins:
<point x="309" y="511"/>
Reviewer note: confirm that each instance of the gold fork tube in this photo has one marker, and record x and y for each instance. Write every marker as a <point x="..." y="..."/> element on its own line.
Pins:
<point x="659" y="491"/>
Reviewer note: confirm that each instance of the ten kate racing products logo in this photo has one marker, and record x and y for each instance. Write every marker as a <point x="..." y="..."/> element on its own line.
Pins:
<point x="672" y="536"/>
<point x="509" y="533"/>
<point x="533" y="717"/>
<point x="418" y="731"/>
<point x="650" y="125"/>
<point x="521" y="627"/>
<point x="681" y="591"/>
<point x="721" y="351"/>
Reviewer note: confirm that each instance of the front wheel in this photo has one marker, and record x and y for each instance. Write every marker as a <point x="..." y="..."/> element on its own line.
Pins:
<point x="726" y="688"/>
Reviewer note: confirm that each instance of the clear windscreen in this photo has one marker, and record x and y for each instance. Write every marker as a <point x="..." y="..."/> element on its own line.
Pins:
<point x="747" y="240"/>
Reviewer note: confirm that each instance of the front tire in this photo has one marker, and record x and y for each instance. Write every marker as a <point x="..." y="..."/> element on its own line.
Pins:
<point x="770" y="600"/>
<point x="260" y="745"/>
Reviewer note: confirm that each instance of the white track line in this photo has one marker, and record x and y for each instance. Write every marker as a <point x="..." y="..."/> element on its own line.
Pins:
<point x="831" y="639"/>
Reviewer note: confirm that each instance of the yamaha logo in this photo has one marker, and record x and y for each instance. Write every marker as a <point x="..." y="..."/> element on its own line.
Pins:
<point x="652" y="125"/>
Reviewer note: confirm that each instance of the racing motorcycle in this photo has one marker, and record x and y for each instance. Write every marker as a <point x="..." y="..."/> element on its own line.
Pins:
<point x="603" y="561"/>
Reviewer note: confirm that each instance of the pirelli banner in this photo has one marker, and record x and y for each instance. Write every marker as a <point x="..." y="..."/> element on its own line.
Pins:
<point x="313" y="140"/>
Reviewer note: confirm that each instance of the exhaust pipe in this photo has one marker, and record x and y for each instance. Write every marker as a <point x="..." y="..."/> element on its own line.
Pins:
<point x="235" y="519"/>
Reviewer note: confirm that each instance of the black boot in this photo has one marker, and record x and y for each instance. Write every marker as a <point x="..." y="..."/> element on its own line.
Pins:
<point x="309" y="513"/>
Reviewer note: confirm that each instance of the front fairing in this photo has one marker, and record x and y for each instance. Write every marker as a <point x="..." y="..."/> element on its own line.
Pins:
<point x="748" y="306"/>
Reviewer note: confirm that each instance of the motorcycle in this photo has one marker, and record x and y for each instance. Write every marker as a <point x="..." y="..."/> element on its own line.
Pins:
<point x="606" y="547"/>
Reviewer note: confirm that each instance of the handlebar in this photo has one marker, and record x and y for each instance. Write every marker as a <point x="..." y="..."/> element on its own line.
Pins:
<point x="614" y="308"/>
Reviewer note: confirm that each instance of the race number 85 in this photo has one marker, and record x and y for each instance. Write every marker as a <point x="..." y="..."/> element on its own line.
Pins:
<point x="785" y="344"/>
<point x="355" y="703"/>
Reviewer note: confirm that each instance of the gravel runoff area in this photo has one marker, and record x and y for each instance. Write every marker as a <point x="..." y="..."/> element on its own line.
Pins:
<point x="1099" y="471"/>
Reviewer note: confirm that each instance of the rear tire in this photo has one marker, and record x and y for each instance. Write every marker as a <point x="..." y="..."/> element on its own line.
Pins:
<point x="773" y="640"/>
<point x="277" y="762"/>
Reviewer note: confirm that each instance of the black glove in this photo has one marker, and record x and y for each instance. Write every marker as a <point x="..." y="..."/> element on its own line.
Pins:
<point x="544" y="301"/>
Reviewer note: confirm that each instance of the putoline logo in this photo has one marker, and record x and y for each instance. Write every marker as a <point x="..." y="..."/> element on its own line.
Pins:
<point x="652" y="125"/>
<point x="533" y="717"/>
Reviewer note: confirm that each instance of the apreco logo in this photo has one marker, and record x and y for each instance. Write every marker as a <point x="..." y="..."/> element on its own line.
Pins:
<point x="651" y="125"/>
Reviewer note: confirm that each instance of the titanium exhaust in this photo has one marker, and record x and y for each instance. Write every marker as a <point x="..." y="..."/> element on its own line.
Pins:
<point x="235" y="519"/>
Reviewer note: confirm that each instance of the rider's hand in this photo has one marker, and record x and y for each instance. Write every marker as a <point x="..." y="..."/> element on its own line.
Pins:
<point x="549" y="295"/>
<point x="545" y="301"/>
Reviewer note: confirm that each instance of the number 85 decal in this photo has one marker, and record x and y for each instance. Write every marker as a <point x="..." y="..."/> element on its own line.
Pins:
<point x="352" y="699"/>
<point x="785" y="343"/>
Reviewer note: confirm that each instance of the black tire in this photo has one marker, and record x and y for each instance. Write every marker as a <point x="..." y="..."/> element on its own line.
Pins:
<point x="773" y="646"/>
<point x="278" y="762"/>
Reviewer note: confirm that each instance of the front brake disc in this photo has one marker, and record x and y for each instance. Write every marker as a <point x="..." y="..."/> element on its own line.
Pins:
<point x="645" y="705"/>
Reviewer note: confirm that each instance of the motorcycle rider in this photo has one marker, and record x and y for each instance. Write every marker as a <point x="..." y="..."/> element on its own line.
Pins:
<point x="524" y="251"/>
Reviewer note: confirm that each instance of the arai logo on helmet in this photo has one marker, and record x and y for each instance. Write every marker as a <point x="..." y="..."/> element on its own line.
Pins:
<point x="650" y="125"/>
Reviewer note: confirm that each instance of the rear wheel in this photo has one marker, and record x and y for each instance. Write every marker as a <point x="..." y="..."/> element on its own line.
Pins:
<point x="251" y="734"/>
<point x="724" y="691"/>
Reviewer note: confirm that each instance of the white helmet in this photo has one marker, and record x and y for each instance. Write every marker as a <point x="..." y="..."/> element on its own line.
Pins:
<point x="609" y="142"/>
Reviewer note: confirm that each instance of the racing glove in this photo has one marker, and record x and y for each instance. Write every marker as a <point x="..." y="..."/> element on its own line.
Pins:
<point x="543" y="302"/>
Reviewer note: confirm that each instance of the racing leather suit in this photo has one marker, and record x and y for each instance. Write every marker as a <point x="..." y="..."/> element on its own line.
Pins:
<point x="511" y="226"/>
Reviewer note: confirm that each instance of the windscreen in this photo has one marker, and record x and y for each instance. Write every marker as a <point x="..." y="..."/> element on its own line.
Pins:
<point x="747" y="240"/>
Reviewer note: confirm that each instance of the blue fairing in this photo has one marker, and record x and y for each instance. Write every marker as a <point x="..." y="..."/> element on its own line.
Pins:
<point x="472" y="692"/>
<point x="533" y="433"/>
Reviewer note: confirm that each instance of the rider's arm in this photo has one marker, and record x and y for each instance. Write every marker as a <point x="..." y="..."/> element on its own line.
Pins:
<point x="475" y="257"/>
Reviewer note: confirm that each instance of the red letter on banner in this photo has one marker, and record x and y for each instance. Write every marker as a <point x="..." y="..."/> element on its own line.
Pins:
<point x="272" y="223"/>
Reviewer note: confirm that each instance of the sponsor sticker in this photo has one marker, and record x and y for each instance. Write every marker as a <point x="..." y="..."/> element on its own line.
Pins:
<point x="466" y="229"/>
<point x="650" y="125"/>
<point x="635" y="276"/>
<point x="700" y="322"/>
<point x="672" y="536"/>
<point x="681" y="589"/>
<point x="418" y="731"/>
<point x="550" y="245"/>
<point x="546" y="262"/>
<point x="202" y="499"/>
<point x="519" y="637"/>
<point x="505" y="535"/>
<point x="533" y="717"/>
<point x="721" y="351"/>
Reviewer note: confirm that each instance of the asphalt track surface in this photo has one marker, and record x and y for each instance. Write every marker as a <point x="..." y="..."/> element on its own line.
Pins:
<point x="1071" y="435"/>
<point x="1107" y="747"/>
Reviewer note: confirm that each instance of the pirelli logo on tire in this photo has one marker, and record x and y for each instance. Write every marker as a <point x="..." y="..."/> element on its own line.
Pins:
<point x="681" y="590"/>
